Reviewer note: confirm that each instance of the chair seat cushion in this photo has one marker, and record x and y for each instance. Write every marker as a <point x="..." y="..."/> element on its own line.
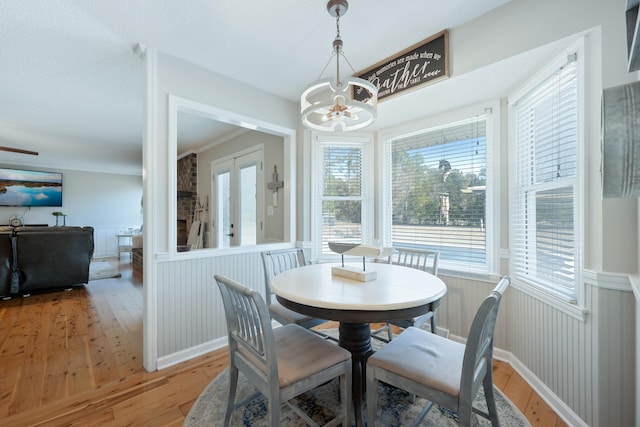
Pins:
<point x="423" y="357"/>
<point x="284" y="315"/>
<point x="301" y="354"/>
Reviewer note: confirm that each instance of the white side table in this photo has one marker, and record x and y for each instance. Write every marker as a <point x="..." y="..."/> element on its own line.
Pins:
<point x="124" y="242"/>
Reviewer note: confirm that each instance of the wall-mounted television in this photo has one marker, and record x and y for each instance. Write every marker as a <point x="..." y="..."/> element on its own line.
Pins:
<point x="30" y="188"/>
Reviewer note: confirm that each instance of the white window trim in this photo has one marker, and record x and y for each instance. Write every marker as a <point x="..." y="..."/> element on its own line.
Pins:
<point x="575" y="308"/>
<point x="492" y="111"/>
<point x="318" y="139"/>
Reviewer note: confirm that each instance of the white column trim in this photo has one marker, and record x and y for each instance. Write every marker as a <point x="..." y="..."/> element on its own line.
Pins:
<point x="150" y="186"/>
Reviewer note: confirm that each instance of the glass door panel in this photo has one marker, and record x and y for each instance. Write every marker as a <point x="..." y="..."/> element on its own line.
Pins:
<point x="238" y="219"/>
<point x="248" y="205"/>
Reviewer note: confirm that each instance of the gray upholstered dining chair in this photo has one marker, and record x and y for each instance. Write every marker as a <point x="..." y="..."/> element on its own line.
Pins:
<point x="421" y="259"/>
<point x="281" y="363"/>
<point x="440" y="370"/>
<point x="275" y="262"/>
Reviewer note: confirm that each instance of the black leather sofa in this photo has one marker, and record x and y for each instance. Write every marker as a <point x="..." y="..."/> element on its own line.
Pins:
<point x="41" y="259"/>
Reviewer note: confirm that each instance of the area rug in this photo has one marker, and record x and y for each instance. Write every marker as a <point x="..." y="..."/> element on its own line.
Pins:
<point x="395" y="407"/>
<point x="102" y="270"/>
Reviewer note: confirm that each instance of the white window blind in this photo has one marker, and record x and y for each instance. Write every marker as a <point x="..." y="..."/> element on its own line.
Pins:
<point x="438" y="193"/>
<point x="340" y="196"/>
<point x="544" y="222"/>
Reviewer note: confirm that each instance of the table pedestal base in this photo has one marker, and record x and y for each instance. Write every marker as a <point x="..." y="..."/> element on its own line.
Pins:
<point x="356" y="337"/>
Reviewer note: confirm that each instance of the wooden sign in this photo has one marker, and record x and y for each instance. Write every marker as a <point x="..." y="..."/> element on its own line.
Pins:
<point x="423" y="63"/>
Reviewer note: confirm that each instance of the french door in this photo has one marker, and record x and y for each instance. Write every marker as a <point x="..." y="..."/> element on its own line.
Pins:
<point x="237" y="194"/>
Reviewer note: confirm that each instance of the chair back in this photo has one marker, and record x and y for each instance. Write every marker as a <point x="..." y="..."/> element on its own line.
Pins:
<point x="275" y="262"/>
<point x="421" y="259"/>
<point x="249" y="326"/>
<point x="478" y="355"/>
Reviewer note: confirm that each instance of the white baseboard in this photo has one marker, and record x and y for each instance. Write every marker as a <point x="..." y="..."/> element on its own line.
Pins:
<point x="560" y="408"/>
<point x="97" y="255"/>
<point x="190" y="353"/>
<point x="442" y="332"/>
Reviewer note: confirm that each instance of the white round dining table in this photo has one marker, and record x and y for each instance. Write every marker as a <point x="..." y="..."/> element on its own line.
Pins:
<point x="396" y="293"/>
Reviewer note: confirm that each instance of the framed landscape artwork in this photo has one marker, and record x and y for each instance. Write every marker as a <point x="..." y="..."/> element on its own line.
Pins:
<point x="30" y="188"/>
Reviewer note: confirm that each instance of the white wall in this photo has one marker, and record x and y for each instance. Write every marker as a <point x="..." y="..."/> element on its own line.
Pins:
<point x="107" y="202"/>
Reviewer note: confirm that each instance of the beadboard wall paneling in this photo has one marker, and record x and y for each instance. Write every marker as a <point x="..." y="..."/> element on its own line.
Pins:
<point x="635" y="285"/>
<point x="585" y="370"/>
<point x="190" y="311"/>
<point x="559" y="349"/>
<point x="617" y="356"/>
<point x="460" y="304"/>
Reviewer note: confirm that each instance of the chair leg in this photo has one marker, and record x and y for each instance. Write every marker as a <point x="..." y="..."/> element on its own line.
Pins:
<point x="372" y="396"/>
<point x="345" y="395"/>
<point x="389" y="333"/>
<point x="274" y="411"/>
<point x="433" y="322"/>
<point x="233" y="385"/>
<point x="465" y="412"/>
<point x="491" y="401"/>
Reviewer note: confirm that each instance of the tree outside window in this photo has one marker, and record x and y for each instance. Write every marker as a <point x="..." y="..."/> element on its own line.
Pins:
<point x="438" y="192"/>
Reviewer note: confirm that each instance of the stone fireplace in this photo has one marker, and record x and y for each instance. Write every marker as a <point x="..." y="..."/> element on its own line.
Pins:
<point x="187" y="195"/>
<point x="182" y="232"/>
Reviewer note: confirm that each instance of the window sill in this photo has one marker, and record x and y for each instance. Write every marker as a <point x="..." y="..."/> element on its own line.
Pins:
<point x="561" y="304"/>
<point x="469" y="275"/>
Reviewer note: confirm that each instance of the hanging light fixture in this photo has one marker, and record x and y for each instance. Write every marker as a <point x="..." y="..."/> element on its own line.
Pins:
<point x="330" y="104"/>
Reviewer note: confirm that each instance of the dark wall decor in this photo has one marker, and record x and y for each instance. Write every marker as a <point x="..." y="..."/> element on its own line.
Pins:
<point x="423" y="63"/>
<point x="633" y="34"/>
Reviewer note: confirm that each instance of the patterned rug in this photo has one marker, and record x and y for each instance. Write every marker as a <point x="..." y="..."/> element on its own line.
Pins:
<point x="395" y="407"/>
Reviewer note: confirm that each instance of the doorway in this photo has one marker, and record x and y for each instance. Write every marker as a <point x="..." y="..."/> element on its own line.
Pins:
<point x="237" y="194"/>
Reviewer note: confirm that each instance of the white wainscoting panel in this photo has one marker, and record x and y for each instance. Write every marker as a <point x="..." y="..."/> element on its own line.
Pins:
<point x="459" y="306"/>
<point x="583" y="370"/>
<point x="190" y="311"/>
<point x="105" y="242"/>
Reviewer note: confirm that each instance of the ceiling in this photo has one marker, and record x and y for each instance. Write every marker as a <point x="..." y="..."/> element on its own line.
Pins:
<point x="72" y="87"/>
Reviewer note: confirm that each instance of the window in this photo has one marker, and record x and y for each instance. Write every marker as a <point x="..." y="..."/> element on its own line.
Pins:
<point x="342" y="206"/>
<point x="438" y="193"/>
<point x="545" y="202"/>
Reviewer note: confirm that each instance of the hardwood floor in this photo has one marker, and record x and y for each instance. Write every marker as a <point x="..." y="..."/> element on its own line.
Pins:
<point x="75" y="359"/>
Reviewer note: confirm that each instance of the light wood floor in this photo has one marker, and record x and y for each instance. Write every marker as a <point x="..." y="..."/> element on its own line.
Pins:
<point x="75" y="359"/>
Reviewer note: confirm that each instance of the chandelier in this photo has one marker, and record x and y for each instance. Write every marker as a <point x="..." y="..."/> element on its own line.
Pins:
<point x="331" y="104"/>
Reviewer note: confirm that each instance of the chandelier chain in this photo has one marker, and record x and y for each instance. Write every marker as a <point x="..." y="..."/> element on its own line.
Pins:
<point x="338" y="24"/>
<point x="337" y="44"/>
